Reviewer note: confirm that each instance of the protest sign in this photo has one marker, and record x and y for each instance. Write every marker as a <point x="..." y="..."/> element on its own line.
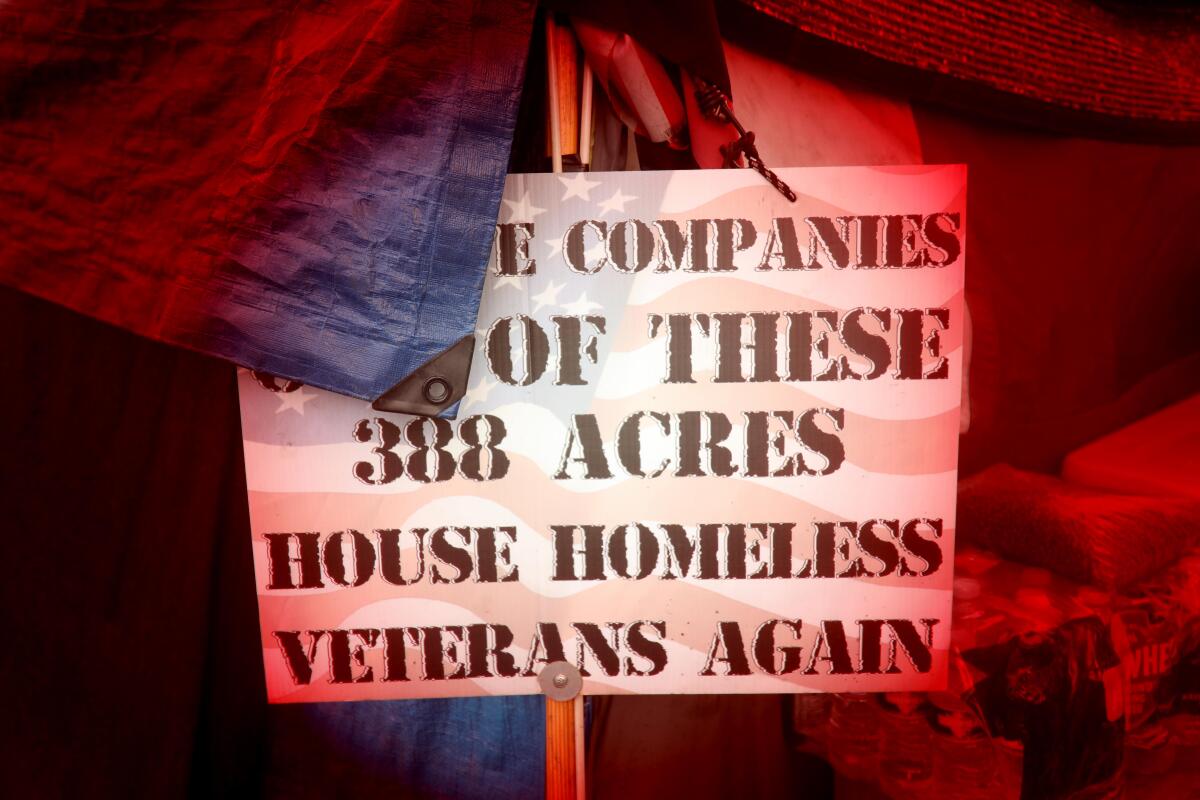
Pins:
<point x="709" y="445"/>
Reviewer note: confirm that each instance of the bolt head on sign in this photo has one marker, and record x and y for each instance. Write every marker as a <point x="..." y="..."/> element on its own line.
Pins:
<point x="560" y="681"/>
<point x="708" y="445"/>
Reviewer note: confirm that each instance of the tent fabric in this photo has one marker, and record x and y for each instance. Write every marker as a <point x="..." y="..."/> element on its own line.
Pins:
<point x="135" y="666"/>
<point x="308" y="189"/>
<point x="1115" y="66"/>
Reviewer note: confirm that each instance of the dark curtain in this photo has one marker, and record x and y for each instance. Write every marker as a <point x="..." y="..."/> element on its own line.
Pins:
<point x="132" y="663"/>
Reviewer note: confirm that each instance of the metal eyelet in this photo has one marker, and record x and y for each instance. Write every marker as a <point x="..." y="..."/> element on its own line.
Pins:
<point x="436" y="390"/>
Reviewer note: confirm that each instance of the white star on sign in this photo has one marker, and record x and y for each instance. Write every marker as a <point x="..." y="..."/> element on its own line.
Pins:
<point x="506" y="280"/>
<point x="522" y="210"/>
<point x="579" y="186"/>
<point x="615" y="203"/>
<point x="548" y="296"/>
<point x="479" y="392"/>
<point x="582" y="306"/>
<point x="554" y="246"/>
<point x="293" y="401"/>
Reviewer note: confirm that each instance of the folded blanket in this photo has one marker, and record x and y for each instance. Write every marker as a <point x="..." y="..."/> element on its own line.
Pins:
<point x="1089" y="535"/>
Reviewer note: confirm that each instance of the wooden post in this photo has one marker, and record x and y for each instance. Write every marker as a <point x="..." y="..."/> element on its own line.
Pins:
<point x="561" y="774"/>
<point x="564" y="718"/>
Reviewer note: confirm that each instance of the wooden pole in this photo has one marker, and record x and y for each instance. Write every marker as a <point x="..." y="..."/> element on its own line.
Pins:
<point x="561" y="774"/>
<point x="564" y="718"/>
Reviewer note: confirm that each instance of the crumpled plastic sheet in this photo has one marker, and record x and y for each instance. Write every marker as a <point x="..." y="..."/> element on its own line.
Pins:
<point x="308" y="189"/>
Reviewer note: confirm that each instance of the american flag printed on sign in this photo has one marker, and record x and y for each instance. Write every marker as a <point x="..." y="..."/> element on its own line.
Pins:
<point x="400" y="557"/>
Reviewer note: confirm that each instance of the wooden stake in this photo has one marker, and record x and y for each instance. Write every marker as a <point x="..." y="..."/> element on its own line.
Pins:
<point x="561" y="774"/>
<point x="564" y="719"/>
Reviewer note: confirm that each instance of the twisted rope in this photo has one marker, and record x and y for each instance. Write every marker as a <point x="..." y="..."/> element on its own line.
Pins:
<point x="714" y="104"/>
